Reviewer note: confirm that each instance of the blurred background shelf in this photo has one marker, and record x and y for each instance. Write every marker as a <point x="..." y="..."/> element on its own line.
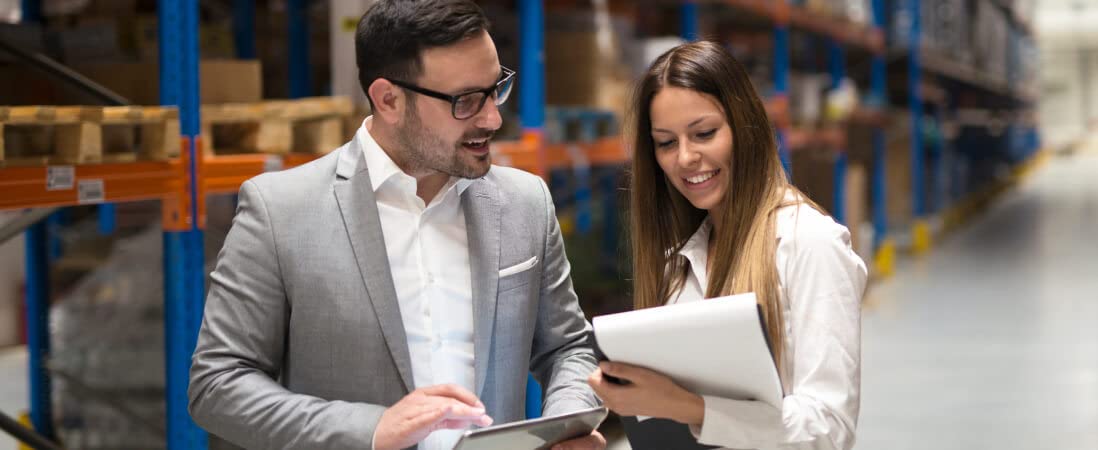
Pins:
<point x="892" y="114"/>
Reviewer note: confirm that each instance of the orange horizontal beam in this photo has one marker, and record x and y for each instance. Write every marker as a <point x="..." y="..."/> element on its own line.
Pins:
<point x="25" y="187"/>
<point x="223" y="174"/>
<point x="522" y="155"/>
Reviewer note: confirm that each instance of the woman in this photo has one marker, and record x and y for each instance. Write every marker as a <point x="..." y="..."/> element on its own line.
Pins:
<point x="713" y="215"/>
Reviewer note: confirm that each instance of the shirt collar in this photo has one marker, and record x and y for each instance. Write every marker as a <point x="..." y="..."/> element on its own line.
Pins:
<point x="696" y="249"/>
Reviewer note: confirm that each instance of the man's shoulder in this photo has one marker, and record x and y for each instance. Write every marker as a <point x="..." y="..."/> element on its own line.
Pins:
<point x="300" y="181"/>
<point x="516" y="183"/>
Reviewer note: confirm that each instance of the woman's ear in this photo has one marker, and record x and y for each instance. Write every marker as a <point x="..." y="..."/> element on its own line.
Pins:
<point x="388" y="100"/>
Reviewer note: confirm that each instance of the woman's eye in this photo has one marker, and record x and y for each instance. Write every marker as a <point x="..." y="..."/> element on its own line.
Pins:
<point x="664" y="144"/>
<point x="707" y="134"/>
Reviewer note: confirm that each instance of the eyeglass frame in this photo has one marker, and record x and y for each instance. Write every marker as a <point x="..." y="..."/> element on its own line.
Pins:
<point x="507" y="75"/>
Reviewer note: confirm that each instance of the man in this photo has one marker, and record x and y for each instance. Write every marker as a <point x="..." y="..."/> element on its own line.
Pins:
<point x="398" y="290"/>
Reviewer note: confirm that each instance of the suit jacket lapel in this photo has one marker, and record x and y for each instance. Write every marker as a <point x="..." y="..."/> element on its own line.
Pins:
<point x="481" y="205"/>
<point x="355" y="196"/>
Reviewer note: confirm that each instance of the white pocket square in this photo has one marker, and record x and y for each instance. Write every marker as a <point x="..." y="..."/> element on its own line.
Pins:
<point x="520" y="267"/>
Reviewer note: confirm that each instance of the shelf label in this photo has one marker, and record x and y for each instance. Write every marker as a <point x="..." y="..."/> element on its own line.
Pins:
<point x="60" y="178"/>
<point x="273" y="163"/>
<point x="90" y="191"/>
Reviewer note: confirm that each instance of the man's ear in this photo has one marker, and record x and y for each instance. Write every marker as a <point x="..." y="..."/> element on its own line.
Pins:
<point x="389" y="100"/>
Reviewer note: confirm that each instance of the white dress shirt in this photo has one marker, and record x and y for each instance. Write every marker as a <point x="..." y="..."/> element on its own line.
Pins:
<point x="822" y="282"/>
<point x="428" y="252"/>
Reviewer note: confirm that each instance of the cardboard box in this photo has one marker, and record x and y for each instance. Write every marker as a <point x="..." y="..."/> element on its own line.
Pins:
<point x="222" y="81"/>
<point x="581" y="72"/>
<point x="814" y="174"/>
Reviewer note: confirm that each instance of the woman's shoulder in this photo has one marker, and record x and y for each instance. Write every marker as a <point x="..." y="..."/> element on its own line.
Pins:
<point x="801" y="223"/>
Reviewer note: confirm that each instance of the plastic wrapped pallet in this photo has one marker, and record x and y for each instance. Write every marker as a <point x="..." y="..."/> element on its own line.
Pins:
<point x="108" y="342"/>
<point x="108" y="333"/>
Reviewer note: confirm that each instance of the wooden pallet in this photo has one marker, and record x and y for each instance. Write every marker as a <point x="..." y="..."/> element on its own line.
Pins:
<point x="308" y="125"/>
<point x="41" y="135"/>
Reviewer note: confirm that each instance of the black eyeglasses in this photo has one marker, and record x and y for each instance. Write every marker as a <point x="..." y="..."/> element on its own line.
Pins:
<point x="468" y="104"/>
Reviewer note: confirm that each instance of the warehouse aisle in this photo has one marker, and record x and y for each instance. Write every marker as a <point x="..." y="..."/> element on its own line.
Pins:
<point x="991" y="342"/>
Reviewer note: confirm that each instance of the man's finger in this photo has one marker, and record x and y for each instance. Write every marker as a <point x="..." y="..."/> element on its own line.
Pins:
<point x="444" y="409"/>
<point x="455" y="392"/>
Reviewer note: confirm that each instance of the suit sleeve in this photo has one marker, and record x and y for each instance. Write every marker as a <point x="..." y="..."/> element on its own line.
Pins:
<point x="233" y="390"/>
<point x="561" y="359"/>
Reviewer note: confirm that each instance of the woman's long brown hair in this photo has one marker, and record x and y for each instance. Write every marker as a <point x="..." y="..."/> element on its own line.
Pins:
<point x="662" y="220"/>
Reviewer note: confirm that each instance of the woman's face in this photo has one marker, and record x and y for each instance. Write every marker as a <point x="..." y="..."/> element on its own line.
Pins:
<point x="693" y="143"/>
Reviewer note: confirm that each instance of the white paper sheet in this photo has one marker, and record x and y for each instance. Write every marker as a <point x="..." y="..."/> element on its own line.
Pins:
<point x="710" y="347"/>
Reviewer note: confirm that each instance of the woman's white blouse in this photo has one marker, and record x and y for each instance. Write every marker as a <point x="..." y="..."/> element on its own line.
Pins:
<point x="822" y="282"/>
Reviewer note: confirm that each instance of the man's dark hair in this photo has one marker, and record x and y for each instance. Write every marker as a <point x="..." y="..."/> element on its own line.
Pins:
<point x="393" y="33"/>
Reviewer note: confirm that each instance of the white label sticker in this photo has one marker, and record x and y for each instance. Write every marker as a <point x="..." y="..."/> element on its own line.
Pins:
<point x="90" y="191"/>
<point x="272" y="164"/>
<point x="60" y="178"/>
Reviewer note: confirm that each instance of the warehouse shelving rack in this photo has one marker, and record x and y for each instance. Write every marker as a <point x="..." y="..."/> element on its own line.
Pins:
<point x="182" y="184"/>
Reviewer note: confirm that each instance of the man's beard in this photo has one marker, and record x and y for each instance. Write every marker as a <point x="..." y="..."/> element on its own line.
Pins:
<point x="425" y="151"/>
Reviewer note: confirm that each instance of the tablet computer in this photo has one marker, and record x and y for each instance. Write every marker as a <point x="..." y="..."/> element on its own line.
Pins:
<point x="533" y="434"/>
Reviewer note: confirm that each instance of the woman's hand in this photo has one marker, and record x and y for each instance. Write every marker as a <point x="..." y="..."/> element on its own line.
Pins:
<point x="646" y="393"/>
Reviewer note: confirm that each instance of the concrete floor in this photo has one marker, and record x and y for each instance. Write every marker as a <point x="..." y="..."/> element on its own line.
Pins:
<point x="989" y="342"/>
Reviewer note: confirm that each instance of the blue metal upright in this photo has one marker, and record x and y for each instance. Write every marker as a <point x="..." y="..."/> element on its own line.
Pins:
<point x="38" y="327"/>
<point x="184" y="280"/>
<point x="532" y="113"/>
<point x="916" y="104"/>
<point x="244" y="28"/>
<point x="107" y="217"/>
<point x="688" y="20"/>
<point x="781" y="87"/>
<point x="879" y="99"/>
<point x="54" y="223"/>
<point x="532" y="65"/>
<point x="297" y="14"/>
<point x="920" y="228"/>
<point x="31" y="11"/>
<point x="836" y="62"/>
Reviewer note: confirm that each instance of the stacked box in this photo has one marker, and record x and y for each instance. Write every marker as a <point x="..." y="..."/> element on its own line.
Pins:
<point x="989" y="38"/>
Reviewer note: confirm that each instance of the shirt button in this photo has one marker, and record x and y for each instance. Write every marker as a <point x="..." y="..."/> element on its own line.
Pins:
<point x="430" y="278"/>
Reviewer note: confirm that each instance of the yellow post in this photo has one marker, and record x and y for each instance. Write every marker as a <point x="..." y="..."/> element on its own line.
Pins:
<point x="920" y="237"/>
<point x="25" y="420"/>
<point x="885" y="259"/>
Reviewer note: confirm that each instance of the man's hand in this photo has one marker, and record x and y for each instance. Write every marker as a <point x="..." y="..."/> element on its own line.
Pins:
<point x="593" y="441"/>
<point x="426" y="410"/>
